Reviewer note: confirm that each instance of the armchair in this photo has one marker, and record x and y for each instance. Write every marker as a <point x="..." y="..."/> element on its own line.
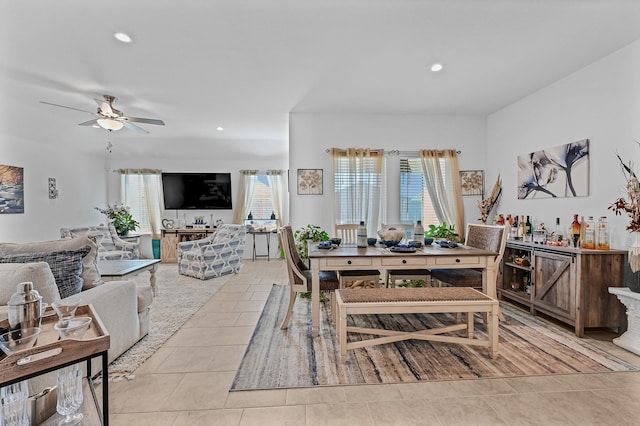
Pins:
<point x="218" y="254"/>
<point x="110" y="245"/>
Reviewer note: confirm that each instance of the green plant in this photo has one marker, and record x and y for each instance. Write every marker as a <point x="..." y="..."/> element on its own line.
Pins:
<point x="120" y="216"/>
<point x="309" y="232"/>
<point x="443" y="231"/>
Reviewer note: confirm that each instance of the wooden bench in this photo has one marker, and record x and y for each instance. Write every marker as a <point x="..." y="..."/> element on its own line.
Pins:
<point x="412" y="301"/>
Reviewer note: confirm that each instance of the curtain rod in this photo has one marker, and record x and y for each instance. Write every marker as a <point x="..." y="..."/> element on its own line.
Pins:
<point x="397" y="153"/>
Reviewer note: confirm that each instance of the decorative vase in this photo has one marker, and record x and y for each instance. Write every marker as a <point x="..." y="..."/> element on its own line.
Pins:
<point x="123" y="233"/>
<point x="634" y="253"/>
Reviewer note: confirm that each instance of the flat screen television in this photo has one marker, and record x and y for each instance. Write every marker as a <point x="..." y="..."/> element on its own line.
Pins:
<point x="197" y="191"/>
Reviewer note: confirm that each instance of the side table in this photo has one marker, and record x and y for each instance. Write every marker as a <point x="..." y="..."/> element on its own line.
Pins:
<point x="268" y="235"/>
<point x="50" y="354"/>
<point x="630" y="339"/>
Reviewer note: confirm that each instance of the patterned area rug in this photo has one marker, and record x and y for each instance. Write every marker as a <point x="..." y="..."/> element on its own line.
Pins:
<point x="179" y="297"/>
<point x="289" y="358"/>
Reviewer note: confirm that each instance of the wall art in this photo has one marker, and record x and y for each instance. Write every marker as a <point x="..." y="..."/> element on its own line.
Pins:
<point x="11" y="189"/>
<point x="309" y="181"/>
<point x="472" y="182"/>
<point x="560" y="171"/>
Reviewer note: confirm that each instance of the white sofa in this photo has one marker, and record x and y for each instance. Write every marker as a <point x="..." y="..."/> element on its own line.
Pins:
<point x="122" y="306"/>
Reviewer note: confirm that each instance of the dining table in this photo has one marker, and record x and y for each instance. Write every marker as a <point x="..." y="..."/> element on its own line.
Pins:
<point x="349" y="257"/>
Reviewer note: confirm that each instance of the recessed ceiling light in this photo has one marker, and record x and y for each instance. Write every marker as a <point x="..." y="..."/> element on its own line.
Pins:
<point x="219" y="128"/>
<point x="436" y="67"/>
<point x="123" y="37"/>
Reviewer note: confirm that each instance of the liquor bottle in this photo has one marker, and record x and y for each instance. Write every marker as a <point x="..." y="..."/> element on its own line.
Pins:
<point x="521" y="228"/>
<point x="514" y="228"/>
<point x="418" y="231"/>
<point x="575" y="230"/>
<point x="557" y="232"/>
<point x="362" y="235"/>
<point x="528" y="231"/>
<point x="589" y="234"/>
<point x="582" y="229"/>
<point x="602" y="234"/>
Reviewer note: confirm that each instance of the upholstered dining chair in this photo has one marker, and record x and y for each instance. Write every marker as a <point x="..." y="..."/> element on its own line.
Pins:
<point x="486" y="237"/>
<point x="299" y="273"/>
<point x="361" y="277"/>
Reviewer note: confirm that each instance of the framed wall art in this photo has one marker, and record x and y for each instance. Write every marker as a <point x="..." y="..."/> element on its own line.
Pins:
<point x="556" y="172"/>
<point x="472" y="182"/>
<point x="11" y="189"/>
<point x="309" y="181"/>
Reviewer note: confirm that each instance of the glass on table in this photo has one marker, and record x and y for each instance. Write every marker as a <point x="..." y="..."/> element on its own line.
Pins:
<point x="13" y="404"/>
<point x="70" y="396"/>
<point x="66" y="309"/>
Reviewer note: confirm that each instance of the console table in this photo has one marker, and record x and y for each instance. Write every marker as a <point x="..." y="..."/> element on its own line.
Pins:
<point x="171" y="238"/>
<point x="268" y="235"/>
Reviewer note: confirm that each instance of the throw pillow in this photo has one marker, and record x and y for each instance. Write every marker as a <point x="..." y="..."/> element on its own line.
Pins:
<point x="66" y="266"/>
<point x="39" y="273"/>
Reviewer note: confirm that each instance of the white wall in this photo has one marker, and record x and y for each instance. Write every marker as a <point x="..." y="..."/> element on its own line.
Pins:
<point x="310" y="135"/>
<point x="80" y="181"/>
<point x="601" y="103"/>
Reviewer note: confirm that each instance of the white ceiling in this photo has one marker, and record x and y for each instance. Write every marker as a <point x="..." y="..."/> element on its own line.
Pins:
<point x="246" y="64"/>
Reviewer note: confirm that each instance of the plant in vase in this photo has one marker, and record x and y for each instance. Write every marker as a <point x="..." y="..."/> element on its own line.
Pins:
<point x="442" y="232"/>
<point x="632" y="208"/>
<point x="309" y="233"/>
<point x="120" y="216"/>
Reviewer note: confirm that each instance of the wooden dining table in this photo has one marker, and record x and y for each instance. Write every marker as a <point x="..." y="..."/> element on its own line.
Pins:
<point x="346" y="257"/>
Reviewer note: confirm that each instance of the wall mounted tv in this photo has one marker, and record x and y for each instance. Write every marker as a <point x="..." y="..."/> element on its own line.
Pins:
<point x="197" y="191"/>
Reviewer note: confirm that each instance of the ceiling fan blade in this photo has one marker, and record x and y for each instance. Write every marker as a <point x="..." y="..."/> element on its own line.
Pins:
<point x="104" y="106"/>
<point x="67" y="107"/>
<point x="143" y="120"/>
<point x="133" y="127"/>
<point x="93" y="122"/>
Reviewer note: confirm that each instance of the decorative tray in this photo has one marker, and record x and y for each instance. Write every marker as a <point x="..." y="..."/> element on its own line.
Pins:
<point x="49" y="351"/>
<point x="398" y="249"/>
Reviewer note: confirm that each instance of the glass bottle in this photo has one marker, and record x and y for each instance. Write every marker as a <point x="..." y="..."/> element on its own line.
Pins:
<point x="418" y="232"/>
<point x="514" y="279"/>
<point x="589" y="234"/>
<point x="514" y="228"/>
<point x="362" y="235"/>
<point x="602" y="234"/>
<point x="575" y="230"/>
<point x="528" y="230"/>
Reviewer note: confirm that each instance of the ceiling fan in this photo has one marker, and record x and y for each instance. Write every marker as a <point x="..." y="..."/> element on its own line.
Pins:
<point x="110" y="118"/>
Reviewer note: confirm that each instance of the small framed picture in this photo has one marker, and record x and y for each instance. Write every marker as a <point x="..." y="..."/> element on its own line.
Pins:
<point x="309" y="181"/>
<point x="472" y="182"/>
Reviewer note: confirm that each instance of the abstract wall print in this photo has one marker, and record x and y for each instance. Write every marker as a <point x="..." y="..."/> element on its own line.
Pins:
<point x="472" y="182"/>
<point x="560" y="171"/>
<point x="309" y="181"/>
<point x="11" y="189"/>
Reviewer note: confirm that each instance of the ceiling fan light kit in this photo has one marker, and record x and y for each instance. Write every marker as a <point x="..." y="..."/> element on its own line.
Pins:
<point x="109" y="124"/>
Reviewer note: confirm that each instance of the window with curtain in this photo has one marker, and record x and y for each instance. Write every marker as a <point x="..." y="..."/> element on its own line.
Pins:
<point x="360" y="187"/>
<point x="261" y="203"/>
<point x="141" y="190"/>
<point x="415" y="202"/>
<point x="261" y="193"/>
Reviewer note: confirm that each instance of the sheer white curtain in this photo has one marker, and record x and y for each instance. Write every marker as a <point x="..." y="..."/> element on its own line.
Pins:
<point x="442" y="178"/>
<point x="360" y="186"/>
<point x="245" y="195"/>
<point x="278" y="186"/>
<point x="144" y="185"/>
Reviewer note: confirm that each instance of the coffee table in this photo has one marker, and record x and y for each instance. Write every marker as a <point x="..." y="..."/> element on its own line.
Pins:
<point x="112" y="270"/>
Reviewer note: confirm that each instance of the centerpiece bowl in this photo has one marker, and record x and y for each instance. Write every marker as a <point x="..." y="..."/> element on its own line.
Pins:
<point x="19" y="340"/>
<point x="391" y="236"/>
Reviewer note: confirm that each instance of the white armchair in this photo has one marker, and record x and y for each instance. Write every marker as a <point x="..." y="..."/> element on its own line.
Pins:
<point x="218" y="254"/>
<point x="110" y="245"/>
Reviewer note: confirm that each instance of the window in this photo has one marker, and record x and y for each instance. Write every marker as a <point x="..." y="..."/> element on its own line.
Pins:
<point x="262" y="200"/>
<point x="360" y="187"/>
<point x="415" y="202"/>
<point x="133" y="195"/>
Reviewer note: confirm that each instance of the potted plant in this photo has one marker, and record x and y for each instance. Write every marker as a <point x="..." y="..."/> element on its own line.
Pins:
<point x="311" y="233"/>
<point x="442" y="232"/>
<point x="120" y="216"/>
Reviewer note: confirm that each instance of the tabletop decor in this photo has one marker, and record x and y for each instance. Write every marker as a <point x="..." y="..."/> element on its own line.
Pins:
<point x="632" y="209"/>
<point x="120" y="216"/>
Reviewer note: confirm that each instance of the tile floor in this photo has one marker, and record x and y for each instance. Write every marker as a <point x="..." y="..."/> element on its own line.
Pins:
<point x="186" y="382"/>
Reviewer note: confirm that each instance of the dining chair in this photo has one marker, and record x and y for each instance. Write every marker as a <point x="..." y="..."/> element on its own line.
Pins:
<point x="358" y="278"/>
<point x="300" y="275"/>
<point x="486" y="237"/>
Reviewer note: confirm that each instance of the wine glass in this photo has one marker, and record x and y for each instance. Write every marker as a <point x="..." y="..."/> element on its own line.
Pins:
<point x="70" y="394"/>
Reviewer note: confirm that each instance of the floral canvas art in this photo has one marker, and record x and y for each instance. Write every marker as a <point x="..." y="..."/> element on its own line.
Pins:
<point x="310" y="181"/>
<point x="472" y="182"/>
<point x="560" y="171"/>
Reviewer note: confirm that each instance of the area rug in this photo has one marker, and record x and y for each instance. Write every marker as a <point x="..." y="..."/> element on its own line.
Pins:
<point x="178" y="298"/>
<point x="290" y="358"/>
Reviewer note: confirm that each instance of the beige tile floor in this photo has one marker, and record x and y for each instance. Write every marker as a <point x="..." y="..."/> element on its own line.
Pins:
<point x="186" y="382"/>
